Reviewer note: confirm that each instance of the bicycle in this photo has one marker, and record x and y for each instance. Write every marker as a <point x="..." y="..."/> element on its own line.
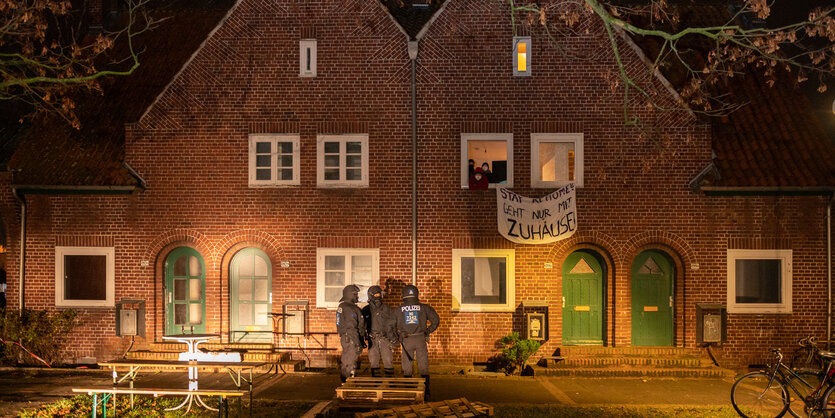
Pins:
<point x="767" y="392"/>
<point x="806" y="356"/>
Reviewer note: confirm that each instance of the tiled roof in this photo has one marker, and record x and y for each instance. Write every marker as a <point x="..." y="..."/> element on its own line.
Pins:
<point x="51" y="153"/>
<point x="776" y="141"/>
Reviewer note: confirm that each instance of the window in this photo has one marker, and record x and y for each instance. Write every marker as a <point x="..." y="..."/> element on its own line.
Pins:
<point x="273" y="160"/>
<point x="339" y="267"/>
<point x="84" y="276"/>
<point x="307" y="58"/>
<point x="759" y="281"/>
<point x="521" y="56"/>
<point x="483" y="280"/>
<point x="491" y="151"/>
<point x="556" y="160"/>
<point x="342" y="160"/>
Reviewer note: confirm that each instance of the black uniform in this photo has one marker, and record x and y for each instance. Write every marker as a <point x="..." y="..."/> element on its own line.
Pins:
<point x="412" y="317"/>
<point x="382" y="334"/>
<point x="351" y="328"/>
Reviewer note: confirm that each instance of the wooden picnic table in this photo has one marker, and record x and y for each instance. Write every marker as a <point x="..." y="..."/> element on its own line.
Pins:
<point x="133" y="366"/>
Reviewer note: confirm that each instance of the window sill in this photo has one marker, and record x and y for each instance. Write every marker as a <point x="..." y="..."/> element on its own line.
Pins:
<point x="84" y="304"/>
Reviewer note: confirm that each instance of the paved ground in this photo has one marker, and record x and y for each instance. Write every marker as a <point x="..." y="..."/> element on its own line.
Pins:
<point x="26" y="389"/>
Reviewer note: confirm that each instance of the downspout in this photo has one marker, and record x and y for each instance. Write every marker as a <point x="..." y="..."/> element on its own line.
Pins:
<point x="22" y="267"/>
<point x="829" y="273"/>
<point x="413" y="53"/>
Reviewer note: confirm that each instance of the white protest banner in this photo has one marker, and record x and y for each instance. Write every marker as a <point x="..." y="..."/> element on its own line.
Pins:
<point x="538" y="220"/>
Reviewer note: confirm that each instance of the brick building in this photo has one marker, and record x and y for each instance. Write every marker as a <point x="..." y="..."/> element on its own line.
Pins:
<point x="268" y="162"/>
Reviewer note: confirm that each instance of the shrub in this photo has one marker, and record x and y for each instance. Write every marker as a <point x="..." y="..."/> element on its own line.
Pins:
<point x="41" y="332"/>
<point x="515" y="353"/>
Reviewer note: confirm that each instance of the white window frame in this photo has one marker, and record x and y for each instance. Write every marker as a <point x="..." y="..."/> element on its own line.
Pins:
<point x="576" y="139"/>
<point x="509" y="305"/>
<point x="516" y="41"/>
<point x="273" y="139"/>
<point x="108" y="252"/>
<point x="465" y="140"/>
<point x="304" y="45"/>
<point x="320" y="160"/>
<point x="347" y="253"/>
<point x="786" y="275"/>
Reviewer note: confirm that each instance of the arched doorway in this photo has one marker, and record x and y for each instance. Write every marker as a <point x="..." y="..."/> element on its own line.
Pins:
<point x="250" y="290"/>
<point x="185" y="292"/>
<point x="652" y="299"/>
<point x="583" y="286"/>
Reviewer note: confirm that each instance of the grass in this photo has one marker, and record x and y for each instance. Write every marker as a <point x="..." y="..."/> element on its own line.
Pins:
<point x="148" y="406"/>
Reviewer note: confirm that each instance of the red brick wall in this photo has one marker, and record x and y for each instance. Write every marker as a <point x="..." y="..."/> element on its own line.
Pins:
<point x="192" y="150"/>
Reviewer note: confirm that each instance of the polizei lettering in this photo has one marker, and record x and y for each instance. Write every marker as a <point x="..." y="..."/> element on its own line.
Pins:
<point x="410" y="308"/>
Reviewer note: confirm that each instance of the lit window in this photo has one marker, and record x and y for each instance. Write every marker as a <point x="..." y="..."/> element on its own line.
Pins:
<point x="759" y="281"/>
<point x="483" y="280"/>
<point x="342" y="160"/>
<point x="84" y="276"/>
<point x="273" y="160"/>
<point x="492" y="154"/>
<point x="556" y="160"/>
<point x="307" y="58"/>
<point x="337" y="268"/>
<point x="521" y="55"/>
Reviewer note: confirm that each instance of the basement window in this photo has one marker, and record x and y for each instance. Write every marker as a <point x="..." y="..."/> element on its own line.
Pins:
<point x="522" y="56"/>
<point x="759" y="281"/>
<point x="84" y="276"/>
<point x="307" y="58"/>
<point x="273" y="160"/>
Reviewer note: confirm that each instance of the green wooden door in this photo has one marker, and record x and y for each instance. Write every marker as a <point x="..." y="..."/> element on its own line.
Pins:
<point x="582" y="290"/>
<point x="185" y="292"/>
<point x="250" y="296"/>
<point x="652" y="300"/>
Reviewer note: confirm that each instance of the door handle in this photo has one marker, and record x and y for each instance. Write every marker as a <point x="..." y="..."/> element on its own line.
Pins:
<point x="671" y="301"/>
<point x="169" y="297"/>
<point x="563" y="301"/>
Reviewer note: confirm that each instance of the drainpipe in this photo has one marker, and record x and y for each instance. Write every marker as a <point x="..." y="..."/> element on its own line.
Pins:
<point x="413" y="53"/>
<point x="22" y="266"/>
<point x="829" y="273"/>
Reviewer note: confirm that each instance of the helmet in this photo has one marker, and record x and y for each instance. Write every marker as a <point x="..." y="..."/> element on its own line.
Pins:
<point x="410" y="291"/>
<point x="374" y="290"/>
<point x="350" y="293"/>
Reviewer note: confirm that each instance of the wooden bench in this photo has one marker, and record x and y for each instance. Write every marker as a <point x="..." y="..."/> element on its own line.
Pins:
<point x="450" y="408"/>
<point x="108" y="392"/>
<point x="374" y="391"/>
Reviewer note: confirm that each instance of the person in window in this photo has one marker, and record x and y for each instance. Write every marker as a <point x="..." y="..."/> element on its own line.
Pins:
<point x="382" y="334"/>
<point x="351" y="329"/>
<point x="413" y="330"/>
<point x="478" y="181"/>
<point x="471" y="168"/>
<point x="487" y="173"/>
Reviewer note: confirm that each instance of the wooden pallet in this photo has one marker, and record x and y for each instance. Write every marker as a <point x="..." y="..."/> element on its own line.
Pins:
<point x="450" y="408"/>
<point x="373" y="391"/>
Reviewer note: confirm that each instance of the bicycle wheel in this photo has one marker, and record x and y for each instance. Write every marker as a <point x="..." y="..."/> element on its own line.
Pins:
<point x="802" y="387"/>
<point x="756" y="394"/>
<point x="827" y="405"/>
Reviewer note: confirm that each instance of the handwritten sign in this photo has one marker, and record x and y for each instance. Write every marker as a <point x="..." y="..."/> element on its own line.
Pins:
<point x="538" y="220"/>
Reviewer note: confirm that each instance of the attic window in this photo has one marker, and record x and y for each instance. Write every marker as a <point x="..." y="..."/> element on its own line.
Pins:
<point x="521" y="56"/>
<point x="307" y="58"/>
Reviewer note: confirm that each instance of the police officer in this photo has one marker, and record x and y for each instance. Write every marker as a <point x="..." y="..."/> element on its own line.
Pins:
<point x="413" y="331"/>
<point x="379" y="319"/>
<point x="351" y="328"/>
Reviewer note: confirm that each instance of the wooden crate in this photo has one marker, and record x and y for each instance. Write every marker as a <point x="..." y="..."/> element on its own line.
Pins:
<point x="450" y="408"/>
<point x="374" y="391"/>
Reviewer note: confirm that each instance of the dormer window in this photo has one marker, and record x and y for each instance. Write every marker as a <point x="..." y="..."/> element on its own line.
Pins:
<point x="307" y="58"/>
<point x="521" y="56"/>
